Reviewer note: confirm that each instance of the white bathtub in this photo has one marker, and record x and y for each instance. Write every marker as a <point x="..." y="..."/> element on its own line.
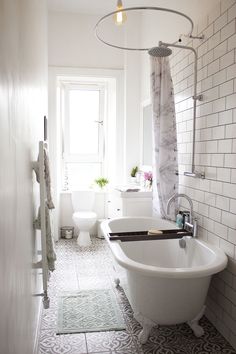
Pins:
<point x="166" y="284"/>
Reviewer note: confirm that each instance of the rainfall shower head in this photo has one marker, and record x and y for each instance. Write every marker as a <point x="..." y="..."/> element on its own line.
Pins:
<point x="160" y="52"/>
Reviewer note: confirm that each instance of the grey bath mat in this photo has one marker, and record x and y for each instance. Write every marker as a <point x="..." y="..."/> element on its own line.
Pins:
<point x="89" y="311"/>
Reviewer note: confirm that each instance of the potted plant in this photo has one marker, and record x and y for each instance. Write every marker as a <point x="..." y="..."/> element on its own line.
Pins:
<point x="134" y="171"/>
<point x="133" y="174"/>
<point x="101" y="182"/>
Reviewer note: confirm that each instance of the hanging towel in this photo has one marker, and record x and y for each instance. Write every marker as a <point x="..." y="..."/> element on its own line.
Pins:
<point x="47" y="178"/>
<point x="165" y="164"/>
<point x="51" y="255"/>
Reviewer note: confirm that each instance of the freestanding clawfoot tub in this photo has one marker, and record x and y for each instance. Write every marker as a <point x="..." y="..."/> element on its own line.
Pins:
<point x="166" y="284"/>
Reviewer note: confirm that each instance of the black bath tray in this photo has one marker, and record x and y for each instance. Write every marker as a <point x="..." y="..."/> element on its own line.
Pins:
<point x="143" y="235"/>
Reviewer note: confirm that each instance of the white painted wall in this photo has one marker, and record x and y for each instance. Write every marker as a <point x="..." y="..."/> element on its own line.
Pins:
<point x="73" y="46"/>
<point x="132" y="98"/>
<point x="72" y="43"/>
<point x="23" y="92"/>
<point x="215" y="197"/>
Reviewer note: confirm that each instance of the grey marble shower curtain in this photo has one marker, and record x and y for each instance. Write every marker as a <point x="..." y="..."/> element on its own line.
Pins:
<point x="165" y="164"/>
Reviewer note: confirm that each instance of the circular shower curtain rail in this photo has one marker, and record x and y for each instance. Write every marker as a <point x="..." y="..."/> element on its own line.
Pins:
<point x="152" y="8"/>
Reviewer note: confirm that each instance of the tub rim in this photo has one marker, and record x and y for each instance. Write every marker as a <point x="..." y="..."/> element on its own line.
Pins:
<point x="216" y="265"/>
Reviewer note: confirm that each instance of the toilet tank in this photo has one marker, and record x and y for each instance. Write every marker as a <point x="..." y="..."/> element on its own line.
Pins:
<point x="83" y="200"/>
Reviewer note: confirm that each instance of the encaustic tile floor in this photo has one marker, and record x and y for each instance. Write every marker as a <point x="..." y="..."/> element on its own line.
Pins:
<point x="89" y="268"/>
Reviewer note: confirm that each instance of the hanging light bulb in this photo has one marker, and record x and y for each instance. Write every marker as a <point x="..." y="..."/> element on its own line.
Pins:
<point x="120" y="17"/>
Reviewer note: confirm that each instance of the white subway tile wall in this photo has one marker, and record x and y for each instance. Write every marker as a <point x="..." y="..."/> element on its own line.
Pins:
<point x="215" y="197"/>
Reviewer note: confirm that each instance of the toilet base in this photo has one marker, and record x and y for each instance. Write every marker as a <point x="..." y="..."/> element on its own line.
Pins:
<point x="84" y="239"/>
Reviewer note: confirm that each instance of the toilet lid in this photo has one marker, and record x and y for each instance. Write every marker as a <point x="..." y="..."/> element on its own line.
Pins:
<point x="85" y="214"/>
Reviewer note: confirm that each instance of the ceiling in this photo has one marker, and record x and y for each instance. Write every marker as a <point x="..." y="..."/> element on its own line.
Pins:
<point x="193" y="8"/>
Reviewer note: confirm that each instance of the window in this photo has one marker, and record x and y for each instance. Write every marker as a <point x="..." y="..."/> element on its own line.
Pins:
<point x="83" y="126"/>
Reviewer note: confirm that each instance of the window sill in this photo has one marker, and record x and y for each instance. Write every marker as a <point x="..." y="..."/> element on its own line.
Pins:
<point x="95" y="190"/>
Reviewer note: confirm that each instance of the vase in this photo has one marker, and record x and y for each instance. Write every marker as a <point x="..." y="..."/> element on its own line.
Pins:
<point x="133" y="180"/>
<point x="148" y="184"/>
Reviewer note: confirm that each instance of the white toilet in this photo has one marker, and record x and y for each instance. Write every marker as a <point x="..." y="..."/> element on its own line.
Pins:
<point x="83" y="217"/>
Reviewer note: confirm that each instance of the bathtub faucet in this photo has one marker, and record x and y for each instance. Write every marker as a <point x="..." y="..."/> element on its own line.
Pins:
<point x="191" y="224"/>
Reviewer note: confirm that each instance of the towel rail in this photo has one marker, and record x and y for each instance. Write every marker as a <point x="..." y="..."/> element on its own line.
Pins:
<point x="39" y="168"/>
<point x="43" y="217"/>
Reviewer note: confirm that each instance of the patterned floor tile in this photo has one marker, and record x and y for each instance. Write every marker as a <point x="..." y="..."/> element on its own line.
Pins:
<point x="49" y="320"/>
<point x="126" y="352"/>
<point x="90" y="268"/>
<point x="108" y="341"/>
<point x="93" y="282"/>
<point x="51" y="343"/>
<point x="180" y="339"/>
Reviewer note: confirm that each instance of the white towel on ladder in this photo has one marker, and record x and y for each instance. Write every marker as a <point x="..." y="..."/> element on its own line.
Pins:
<point x="51" y="255"/>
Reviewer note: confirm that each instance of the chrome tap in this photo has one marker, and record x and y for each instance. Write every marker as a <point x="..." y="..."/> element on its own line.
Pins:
<point x="190" y="225"/>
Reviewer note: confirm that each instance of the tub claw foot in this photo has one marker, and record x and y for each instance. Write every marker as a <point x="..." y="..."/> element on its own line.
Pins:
<point x="144" y="334"/>
<point x="117" y="282"/>
<point x="197" y="329"/>
<point x="147" y="325"/>
<point x="194" y="325"/>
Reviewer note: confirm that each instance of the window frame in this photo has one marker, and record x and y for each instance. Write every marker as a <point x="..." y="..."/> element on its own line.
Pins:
<point x="69" y="157"/>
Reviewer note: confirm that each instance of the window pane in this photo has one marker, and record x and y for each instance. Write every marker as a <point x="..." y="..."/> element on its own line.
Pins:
<point x="83" y="132"/>
<point x="82" y="174"/>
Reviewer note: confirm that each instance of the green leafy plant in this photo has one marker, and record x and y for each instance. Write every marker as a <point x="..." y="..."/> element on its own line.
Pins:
<point x="134" y="171"/>
<point x="101" y="182"/>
